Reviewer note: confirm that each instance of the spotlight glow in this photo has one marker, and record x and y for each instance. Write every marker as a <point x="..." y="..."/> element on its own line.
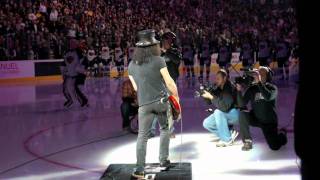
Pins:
<point x="209" y="162"/>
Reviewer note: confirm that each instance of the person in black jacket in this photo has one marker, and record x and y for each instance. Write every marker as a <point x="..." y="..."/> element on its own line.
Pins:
<point x="262" y="95"/>
<point x="171" y="54"/>
<point x="226" y="112"/>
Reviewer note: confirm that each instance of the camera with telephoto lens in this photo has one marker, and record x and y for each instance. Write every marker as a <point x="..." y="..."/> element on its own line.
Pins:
<point x="247" y="77"/>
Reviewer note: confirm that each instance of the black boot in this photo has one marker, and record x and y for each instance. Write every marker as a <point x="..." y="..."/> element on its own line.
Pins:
<point x="247" y="145"/>
<point x="283" y="134"/>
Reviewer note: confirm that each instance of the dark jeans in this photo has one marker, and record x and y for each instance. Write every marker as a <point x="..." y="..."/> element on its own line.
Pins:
<point x="270" y="130"/>
<point x="127" y="110"/>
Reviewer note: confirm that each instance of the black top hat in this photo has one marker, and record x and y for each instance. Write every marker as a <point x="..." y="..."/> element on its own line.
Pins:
<point x="147" y="38"/>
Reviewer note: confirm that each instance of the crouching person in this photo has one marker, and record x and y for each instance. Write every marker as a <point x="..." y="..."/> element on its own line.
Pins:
<point x="225" y="113"/>
<point x="262" y="95"/>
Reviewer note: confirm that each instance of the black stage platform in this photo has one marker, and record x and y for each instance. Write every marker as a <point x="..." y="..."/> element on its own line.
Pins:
<point x="123" y="172"/>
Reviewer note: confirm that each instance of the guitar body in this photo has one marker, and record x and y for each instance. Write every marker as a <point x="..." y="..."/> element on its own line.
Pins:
<point x="175" y="106"/>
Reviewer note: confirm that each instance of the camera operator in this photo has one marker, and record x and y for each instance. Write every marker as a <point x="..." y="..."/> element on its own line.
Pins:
<point x="226" y="113"/>
<point x="262" y="95"/>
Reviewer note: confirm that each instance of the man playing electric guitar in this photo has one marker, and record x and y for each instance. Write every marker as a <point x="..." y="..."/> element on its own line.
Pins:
<point x="149" y="76"/>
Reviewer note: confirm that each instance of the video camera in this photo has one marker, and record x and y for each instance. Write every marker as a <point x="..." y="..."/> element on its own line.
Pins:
<point x="247" y="77"/>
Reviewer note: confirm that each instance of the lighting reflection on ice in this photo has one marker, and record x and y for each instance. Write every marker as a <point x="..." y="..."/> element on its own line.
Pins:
<point x="209" y="162"/>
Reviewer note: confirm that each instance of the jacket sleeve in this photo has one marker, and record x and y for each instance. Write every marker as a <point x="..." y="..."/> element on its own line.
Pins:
<point x="268" y="91"/>
<point x="223" y="102"/>
<point x="243" y="99"/>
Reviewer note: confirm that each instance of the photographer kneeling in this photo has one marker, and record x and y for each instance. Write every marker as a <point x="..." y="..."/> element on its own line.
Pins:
<point x="262" y="95"/>
<point x="226" y="114"/>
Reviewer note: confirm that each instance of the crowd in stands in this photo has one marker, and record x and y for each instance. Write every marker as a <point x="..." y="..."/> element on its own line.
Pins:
<point x="39" y="29"/>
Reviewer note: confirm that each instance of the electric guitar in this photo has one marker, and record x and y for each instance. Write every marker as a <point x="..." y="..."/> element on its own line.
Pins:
<point x="175" y="107"/>
<point x="174" y="104"/>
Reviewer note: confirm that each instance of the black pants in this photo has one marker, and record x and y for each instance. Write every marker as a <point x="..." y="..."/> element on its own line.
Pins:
<point x="127" y="110"/>
<point x="270" y="130"/>
<point x="189" y="65"/>
<point x="205" y="61"/>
